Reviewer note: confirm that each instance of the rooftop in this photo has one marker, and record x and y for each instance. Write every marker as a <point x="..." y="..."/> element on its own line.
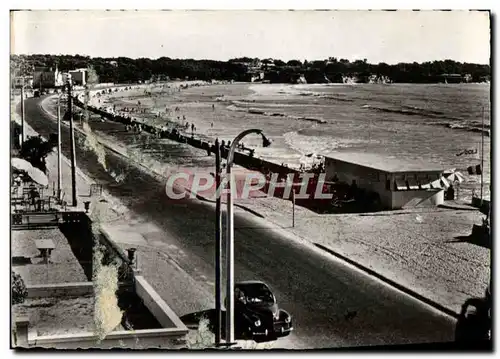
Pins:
<point x="63" y="267"/>
<point x="386" y="163"/>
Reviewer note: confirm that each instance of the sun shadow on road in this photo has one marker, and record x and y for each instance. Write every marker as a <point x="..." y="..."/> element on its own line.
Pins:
<point x="475" y="240"/>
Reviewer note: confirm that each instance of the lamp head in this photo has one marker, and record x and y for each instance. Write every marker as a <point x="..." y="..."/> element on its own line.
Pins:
<point x="266" y="142"/>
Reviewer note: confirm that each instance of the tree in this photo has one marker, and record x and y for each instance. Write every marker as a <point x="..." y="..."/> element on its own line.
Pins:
<point x="294" y="63"/>
<point x="279" y="63"/>
<point x="35" y="150"/>
<point x="19" y="291"/>
<point x="92" y="77"/>
<point x="127" y="70"/>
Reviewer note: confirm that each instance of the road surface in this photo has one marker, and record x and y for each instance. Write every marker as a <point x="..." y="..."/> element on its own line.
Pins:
<point x="316" y="289"/>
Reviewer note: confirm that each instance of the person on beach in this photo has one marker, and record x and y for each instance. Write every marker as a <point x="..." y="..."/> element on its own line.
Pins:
<point x="213" y="107"/>
<point x="211" y="125"/>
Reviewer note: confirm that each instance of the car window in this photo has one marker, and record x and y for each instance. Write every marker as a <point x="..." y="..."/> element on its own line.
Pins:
<point x="258" y="293"/>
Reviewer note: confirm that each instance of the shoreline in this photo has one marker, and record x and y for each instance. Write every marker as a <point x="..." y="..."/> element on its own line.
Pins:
<point x="283" y="150"/>
<point x="390" y="260"/>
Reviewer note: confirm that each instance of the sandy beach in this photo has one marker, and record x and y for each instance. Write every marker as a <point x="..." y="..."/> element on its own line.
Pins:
<point x="305" y="119"/>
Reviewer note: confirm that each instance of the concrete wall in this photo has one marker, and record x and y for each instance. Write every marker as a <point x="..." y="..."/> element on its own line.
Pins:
<point x="60" y="290"/>
<point x="139" y="339"/>
<point x="347" y="172"/>
<point x="169" y="338"/>
<point x="413" y="198"/>
<point x="156" y="305"/>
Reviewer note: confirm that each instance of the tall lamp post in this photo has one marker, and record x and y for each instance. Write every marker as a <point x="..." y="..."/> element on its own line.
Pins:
<point x="218" y="246"/>
<point x="230" y="234"/>
<point x="22" y="111"/>
<point x="72" y="143"/>
<point x="59" y="140"/>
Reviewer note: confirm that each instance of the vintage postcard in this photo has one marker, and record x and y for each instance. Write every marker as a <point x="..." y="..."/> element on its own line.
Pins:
<point x="247" y="179"/>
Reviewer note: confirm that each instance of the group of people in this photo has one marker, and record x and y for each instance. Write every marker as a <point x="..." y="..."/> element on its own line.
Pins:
<point x="315" y="168"/>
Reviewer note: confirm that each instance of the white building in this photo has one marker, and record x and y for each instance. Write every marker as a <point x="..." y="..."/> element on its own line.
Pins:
<point x="397" y="182"/>
<point x="78" y="77"/>
<point x="47" y="78"/>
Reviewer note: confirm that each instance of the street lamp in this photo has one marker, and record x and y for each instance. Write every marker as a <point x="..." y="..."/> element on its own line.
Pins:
<point x="22" y="110"/>
<point x="72" y="142"/>
<point x="230" y="234"/>
<point x="59" y="173"/>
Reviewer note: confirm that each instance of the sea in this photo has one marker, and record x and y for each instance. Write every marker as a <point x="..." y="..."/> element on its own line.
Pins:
<point x="442" y="124"/>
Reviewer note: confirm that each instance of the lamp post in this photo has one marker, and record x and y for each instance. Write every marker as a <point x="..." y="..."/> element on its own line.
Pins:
<point x="22" y="112"/>
<point x="230" y="234"/>
<point x="59" y="140"/>
<point x="218" y="246"/>
<point x="72" y="144"/>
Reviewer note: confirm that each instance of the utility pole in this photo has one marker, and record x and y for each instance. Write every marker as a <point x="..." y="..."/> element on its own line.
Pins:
<point x="293" y="207"/>
<point x="230" y="252"/>
<point x="218" y="246"/>
<point x="22" y="113"/>
<point x="482" y="156"/>
<point x="59" y="174"/>
<point x="72" y="145"/>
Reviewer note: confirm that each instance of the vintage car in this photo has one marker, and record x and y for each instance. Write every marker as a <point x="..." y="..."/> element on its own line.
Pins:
<point x="256" y="313"/>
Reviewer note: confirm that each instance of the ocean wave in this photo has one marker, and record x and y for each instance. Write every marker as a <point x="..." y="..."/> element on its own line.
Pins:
<point x="324" y="96"/>
<point x="413" y="111"/>
<point x="257" y="111"/>
<point x="298" y="90"/>
<point x="321" y="145"/>
<point x="459" y="124"/>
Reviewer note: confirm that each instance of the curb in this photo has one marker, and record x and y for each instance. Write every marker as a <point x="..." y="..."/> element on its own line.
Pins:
<point x="390" y="282"/>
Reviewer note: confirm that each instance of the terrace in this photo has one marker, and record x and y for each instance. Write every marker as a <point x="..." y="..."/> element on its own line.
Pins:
<point x="63" y="278"/>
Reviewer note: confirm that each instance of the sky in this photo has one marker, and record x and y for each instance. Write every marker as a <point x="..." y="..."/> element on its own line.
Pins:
<point x="378" y="36"/>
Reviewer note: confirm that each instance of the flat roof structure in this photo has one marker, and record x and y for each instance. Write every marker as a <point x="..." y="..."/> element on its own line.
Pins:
<point x="384" y="163"/>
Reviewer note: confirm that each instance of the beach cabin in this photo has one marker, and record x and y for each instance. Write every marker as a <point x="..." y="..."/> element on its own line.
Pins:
<point x="399" y="183"/>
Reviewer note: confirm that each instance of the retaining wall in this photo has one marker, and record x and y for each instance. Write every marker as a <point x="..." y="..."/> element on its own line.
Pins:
<point x="241" y="159"/>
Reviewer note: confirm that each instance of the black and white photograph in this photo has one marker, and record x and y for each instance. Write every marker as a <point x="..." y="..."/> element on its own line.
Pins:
<point x="245" y="180"/>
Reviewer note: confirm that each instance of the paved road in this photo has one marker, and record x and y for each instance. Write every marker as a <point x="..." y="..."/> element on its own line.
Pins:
<point x="314" y="287"/>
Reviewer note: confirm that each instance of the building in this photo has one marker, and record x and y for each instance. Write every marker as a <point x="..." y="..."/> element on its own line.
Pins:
<point x="452" y="78"/>
<point x="46" y="78"/>
<point x="78" y="77"/>
<point x="255" y="76"/>
<point x="398" y="183"/>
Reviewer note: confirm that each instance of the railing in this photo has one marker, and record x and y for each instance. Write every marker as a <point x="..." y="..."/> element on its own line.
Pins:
<point x="241" y="159"/>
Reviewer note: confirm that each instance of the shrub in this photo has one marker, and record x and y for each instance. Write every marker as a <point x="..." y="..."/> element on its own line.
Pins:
<point x="19" y="291"/>
<point x="35" y="150"/>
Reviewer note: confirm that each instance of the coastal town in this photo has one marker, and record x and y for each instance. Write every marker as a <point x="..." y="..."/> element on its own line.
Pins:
<point x="249" y="203"/>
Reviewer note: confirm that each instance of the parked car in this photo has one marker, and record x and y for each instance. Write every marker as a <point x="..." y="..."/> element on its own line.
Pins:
<point x="256" y="313"/>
